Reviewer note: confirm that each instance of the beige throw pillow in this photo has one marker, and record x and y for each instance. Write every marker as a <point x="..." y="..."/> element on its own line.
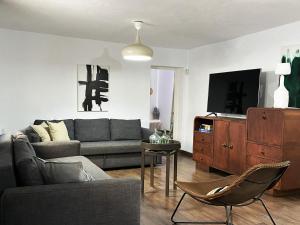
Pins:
<point x="42" y="131"/>
<point x="58" y="131"/>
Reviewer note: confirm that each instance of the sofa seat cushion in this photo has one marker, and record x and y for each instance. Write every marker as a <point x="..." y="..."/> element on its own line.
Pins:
<point x="125" y="129"/>
<point x="68" y="122"/>
<point x="88" y="166"/>
<point x="110" y="147"/>
<point x="92" y="130"/>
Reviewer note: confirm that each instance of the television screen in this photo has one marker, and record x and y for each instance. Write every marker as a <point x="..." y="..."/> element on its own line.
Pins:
<point x="233" y="92"/>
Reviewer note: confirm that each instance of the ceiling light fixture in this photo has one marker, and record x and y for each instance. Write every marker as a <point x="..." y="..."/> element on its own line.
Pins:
<point x="137" y="51"/>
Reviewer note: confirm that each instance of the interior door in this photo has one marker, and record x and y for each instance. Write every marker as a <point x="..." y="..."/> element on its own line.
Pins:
<point x="237" y="147"/>
<point x="221" y="129"/>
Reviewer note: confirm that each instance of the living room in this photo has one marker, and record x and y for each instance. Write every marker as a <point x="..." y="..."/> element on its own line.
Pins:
<point x="47" y="48"/>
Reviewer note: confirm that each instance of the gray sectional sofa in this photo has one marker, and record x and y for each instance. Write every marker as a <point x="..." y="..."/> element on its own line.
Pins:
<point x="104" y="201"/>
<point x="109" y="143"/>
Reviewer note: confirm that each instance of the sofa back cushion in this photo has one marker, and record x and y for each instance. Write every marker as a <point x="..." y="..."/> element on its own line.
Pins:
<point x="7" y="174"/>
<point x="125" y="129"/>
<point x="92" y="130"/>
<point x="68" y="122"/>
<point x="28" y="173"/>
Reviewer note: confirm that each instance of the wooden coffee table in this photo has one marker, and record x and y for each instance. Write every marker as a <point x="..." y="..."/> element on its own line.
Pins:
<point x="164" y="150"/>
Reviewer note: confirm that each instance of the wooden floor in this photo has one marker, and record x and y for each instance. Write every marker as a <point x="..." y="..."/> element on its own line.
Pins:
<point x="156" y="209"/>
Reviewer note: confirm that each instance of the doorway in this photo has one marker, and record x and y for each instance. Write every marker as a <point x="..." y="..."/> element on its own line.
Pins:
<point x="162" y="99"/>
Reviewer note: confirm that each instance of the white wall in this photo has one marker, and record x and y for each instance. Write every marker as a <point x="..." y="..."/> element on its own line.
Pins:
<point x="38" y="77"/>
<point x="259" y="50"/>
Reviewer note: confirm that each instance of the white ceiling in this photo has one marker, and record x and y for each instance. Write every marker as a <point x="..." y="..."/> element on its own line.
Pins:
<point x="171" y="23"/>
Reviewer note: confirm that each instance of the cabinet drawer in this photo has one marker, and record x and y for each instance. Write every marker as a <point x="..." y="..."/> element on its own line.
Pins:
<point x="202" y="159"/>
<point x="263" y="151"/>
<point x="202" y="137"/>
<point x="265" y="126"/>
<point x="203" y="148"/>
<point x="254" y="160"/>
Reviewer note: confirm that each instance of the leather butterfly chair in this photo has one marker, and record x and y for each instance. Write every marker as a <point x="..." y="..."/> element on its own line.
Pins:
<point x="238" y="191"/>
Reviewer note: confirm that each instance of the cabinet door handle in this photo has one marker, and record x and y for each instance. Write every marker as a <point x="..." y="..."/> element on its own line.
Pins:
<point x="264" y="117"/>
<point x="230" y="146"/>
<point x="225" y="145"/>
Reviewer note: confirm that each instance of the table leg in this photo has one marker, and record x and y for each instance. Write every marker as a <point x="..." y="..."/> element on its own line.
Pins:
<point x="175" y="171"/>
<point x="167" y="174"/>
<point x="152" y="172"/>
<point x="142" y="170"/>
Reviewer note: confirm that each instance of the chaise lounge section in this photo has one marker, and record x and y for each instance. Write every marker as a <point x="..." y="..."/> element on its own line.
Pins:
<point x="104" y="201"/>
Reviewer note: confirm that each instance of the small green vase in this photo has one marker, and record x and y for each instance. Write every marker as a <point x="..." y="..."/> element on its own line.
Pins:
<point x="155" y="138"/>
<point x="165" y="138"/>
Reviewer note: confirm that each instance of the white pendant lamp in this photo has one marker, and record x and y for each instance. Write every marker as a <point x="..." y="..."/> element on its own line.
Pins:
<point x="137" y="51"/>
<point x="281" y="95"/>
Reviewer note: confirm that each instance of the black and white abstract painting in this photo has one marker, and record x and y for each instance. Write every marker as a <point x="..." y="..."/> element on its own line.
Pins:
<point x="92" y="88"/>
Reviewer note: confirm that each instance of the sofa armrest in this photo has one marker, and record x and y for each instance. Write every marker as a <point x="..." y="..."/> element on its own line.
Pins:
<point x="48" y="150"/>
<point x="110" y="201"/>
<point x="146" y="133"/>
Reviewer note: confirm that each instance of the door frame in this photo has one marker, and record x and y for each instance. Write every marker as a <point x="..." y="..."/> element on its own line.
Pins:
<point x="177" y="108"/>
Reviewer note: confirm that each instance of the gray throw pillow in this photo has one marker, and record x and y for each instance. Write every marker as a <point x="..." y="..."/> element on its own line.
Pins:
<point x="62" y="172"/>
<point x="28" y="173"/>
<point x="33" y="137"/>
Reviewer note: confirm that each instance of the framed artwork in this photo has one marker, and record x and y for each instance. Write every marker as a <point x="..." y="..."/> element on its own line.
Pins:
<point x="92" y="88"/>
<point x="291" y="54"/>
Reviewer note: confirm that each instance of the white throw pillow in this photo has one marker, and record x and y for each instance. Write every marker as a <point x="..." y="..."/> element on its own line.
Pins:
<point x="58" y="131"/>
<point x="42" y="131"/>
<point x="217" y="190"/>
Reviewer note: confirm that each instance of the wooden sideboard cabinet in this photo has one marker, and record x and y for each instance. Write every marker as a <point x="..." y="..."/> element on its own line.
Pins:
<point x="273" y="135"/>
<point x="224" y="147"/>
<point x="234" y="145"/>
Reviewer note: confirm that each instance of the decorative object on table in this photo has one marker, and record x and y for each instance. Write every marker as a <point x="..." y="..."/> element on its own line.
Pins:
<point x="92" y="88"/>
<point x="205" y="128"/>
<point x="155" y="138"/>
<point x="165" y="138"/>
<point x="281" y="95"/>
<point x="155" y="124"/>
<point x="155" y="150"/>
<point x="291" y="54"/>
<point x="155" y="113"/>
<point x="137" y="51"/>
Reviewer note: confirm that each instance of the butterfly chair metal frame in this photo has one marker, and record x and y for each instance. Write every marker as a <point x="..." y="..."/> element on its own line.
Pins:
<point x="240" y="191"/>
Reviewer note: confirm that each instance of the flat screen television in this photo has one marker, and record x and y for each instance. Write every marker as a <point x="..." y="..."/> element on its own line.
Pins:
<point x="233" y="92"/>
